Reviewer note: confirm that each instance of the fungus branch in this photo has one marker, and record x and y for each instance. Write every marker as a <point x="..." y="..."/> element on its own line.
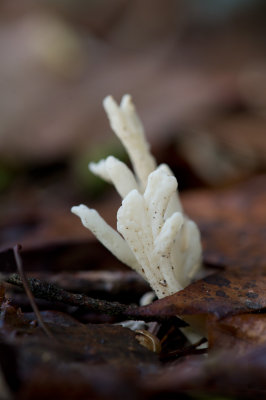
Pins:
<point x="127" y="126"/>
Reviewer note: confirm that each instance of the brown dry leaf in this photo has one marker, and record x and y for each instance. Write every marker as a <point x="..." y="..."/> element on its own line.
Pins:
<point x="232" y="222"/>
<point x="238" y="332"/>
<point x="74" y="349"/>
<point x="13" y="322"/>
<point x="92" y="343"/>
<point x="223" y="374"/>
<point x="225" y="293"/>
<point x="75" y="381"/>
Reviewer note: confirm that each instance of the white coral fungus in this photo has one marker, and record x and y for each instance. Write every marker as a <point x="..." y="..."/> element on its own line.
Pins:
<point x="158" y="240"/>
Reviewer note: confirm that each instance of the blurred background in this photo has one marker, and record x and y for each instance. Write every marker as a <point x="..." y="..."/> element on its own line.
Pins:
<point x="195" y="69"/>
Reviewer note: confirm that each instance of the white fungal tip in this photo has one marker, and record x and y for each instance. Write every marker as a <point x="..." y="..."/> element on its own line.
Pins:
<point x="109" y="104"/>
<point x="78" y="210"/>
<point x="126" y="101"/>
<point x="100" y="169"/>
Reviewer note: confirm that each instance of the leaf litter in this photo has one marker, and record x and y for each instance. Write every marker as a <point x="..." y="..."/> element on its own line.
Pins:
<point x="101" y="360"/>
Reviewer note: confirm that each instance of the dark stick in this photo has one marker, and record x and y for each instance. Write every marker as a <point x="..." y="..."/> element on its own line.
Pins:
<point x="51" y="292"/>
<point x="24" y="283"/>
<point x="191" y="349"/>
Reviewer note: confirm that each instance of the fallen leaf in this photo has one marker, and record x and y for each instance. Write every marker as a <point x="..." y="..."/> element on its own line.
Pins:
<point x="238" y="332"/>
<point x="224" y="293"/>
<point x="93" y="343"/>
<point x="221" y="374"/>
<point x="76" y="381"/>
<point x="232" y="223"/>
<point x="76" y="355"/>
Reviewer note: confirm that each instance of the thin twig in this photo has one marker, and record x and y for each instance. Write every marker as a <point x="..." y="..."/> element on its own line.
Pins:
<point x="27" y="289"/>
<point x="191" y="349"/>
<point x="51" y="292"/>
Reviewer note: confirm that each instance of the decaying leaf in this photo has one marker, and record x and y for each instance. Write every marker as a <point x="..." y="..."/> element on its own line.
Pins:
<point x="238" y="332"/>
<point x="228" y="292"/>
<point x="223" y="374"/>
<point x="73" y="348"/>
<point x="232" y="223"/>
